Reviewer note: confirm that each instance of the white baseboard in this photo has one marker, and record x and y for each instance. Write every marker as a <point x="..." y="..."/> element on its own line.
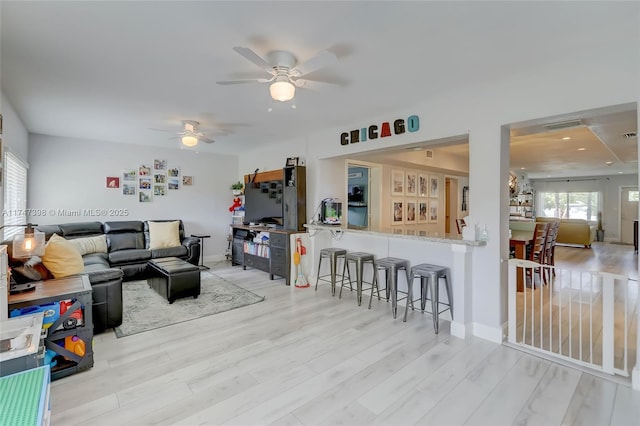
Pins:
<point x="461" y="330"/>
<point x="492" y="334"/>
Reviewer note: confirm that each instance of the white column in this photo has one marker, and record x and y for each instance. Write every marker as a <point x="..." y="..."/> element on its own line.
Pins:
<point x="635" y="374"/>
<point x="461" y="326"/>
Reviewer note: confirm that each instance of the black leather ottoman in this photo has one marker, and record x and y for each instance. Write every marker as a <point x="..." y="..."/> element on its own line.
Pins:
<point x="173" y="278"/>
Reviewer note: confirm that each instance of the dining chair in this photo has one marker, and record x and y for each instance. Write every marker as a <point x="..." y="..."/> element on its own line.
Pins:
<point x="550" y="256"/>
<point x="535" y="252"/>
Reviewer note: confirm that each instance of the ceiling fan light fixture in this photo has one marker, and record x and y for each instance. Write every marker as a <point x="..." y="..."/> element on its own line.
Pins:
<point x="189" y="141"/>
<point x="282" y="89"/>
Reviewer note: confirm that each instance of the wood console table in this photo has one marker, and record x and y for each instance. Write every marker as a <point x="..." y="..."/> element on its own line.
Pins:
<point x="273" y="257"/>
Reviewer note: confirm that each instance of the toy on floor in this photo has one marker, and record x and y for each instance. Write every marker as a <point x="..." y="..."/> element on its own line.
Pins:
<point x="301" y="279"/>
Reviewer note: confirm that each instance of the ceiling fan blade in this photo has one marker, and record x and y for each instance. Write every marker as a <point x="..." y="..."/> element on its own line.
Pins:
<point x="250" y="80"/>
<point x="321" y="60"/>
<point x="205" y="140"/>
<point x="253" y="57"/>
<point x="312" y="84"/>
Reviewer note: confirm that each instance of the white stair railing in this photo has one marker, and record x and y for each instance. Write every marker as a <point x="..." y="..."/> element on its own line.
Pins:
<point x="585" y="317"/>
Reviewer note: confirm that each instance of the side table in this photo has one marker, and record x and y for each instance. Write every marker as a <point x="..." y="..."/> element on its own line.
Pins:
<point x="65" y="327"/>
<point x="201" y="237"/>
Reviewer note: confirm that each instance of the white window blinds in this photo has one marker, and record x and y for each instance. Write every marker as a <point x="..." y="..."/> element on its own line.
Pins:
<point x="15" y="195"/>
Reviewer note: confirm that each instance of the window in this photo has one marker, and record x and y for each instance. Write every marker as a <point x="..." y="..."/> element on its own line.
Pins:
<point x="570" y="205"/>
<point x="15" y="195"/>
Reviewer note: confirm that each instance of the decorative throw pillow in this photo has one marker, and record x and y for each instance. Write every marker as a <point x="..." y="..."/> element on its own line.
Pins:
<point x="164" y="234"/>
<point x="61" y="258"/>
<point x="87" y="245"/>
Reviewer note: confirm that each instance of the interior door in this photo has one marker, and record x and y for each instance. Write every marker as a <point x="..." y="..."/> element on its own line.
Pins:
<point x="628" y="212"/>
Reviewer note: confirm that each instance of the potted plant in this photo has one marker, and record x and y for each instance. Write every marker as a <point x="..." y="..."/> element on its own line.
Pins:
<point x="237" y="188"/>
<point x="599" y="230"/>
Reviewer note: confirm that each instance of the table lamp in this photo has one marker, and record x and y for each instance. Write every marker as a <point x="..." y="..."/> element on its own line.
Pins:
<point x="31" y="243"/>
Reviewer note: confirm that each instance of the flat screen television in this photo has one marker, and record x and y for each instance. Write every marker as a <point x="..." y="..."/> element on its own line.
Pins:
<point x="263" y="203"/>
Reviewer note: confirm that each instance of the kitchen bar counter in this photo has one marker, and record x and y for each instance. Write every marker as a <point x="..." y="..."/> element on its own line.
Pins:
<point x="416" y="246"/>
<point x="406" y="232"/>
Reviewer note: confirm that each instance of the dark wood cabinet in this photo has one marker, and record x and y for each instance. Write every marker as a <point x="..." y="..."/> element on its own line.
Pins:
<point x="294" y="200"/>
<point x="272" y="256"/>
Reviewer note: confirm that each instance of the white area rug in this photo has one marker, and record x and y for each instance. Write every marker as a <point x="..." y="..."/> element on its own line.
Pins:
<point x="144" y="309"/>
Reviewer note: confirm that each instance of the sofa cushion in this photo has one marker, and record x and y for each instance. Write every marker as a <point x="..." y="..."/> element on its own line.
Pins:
<point x="179" y="251"/>
<point x="163" y="234"/>
<point x="49" y="230"/>
<point x="124" y="235"/>
<point x="96" y="259"/>
<point x="81" y="229"/>
<point x="99" y="274"/>
<point x="61" y="258"/>
<point x="129" y="256"/>
<point x="87" y="245"/>
<point x="125" y="241"/>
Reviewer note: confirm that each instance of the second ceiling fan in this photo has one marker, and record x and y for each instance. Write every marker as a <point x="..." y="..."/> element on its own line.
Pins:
<point x="284" y="69"/>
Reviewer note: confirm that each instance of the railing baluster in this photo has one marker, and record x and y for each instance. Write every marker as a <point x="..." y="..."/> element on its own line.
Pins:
<point x="580" y="319"/>
<point x="591" y="320"/>
<point x="607" y="324"/>
<point x="567" y="280"/>
<point x="560" y="309"/>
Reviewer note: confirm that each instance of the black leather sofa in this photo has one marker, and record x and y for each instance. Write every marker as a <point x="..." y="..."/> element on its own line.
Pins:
<point x="126" y="259"/>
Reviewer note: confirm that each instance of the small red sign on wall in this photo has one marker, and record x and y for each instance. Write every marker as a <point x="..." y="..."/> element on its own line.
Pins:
<point x="113" y="182"/>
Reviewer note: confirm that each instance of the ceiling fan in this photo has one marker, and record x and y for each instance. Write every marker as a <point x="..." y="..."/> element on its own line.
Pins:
<point x="190" y="135"/>
<point x="284" y="69"/>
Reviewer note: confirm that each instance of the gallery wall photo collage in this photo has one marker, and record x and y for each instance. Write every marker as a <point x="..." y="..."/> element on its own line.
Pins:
<point x="149" y="181"/>
<point x="414" y="197"/>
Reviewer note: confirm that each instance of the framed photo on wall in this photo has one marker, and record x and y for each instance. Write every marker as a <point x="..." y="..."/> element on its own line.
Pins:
<point x="434" y="184"/>
<point x="411" y="186"/>
<point x="410" y="210"/>
<point x="397" y="212"/>
<point x="423" y="185"/>
<point x="397" y="182"/>
<point x="423" y="207"/>
<point x="433" y="211"/>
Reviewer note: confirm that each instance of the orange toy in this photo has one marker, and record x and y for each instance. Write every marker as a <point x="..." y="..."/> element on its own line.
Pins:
<point x="75" y="344"/>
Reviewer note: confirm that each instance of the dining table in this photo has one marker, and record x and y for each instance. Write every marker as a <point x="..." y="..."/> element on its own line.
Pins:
<point x="519" y="240"/>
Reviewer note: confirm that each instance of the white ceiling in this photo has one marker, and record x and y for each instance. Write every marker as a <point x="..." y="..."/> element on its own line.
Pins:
<point x="114" y="71"/>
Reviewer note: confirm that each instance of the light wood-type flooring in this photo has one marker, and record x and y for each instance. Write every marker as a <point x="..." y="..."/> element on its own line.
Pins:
<point x="306" y="358"/>
<point x="571" y="306"/>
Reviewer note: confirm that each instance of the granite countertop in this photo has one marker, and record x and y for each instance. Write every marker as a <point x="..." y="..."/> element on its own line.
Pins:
<point x="405" y="232"/>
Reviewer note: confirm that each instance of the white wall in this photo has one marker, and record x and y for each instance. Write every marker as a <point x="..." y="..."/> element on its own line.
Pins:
<point x="71" y="174"/>
<point x="15" y="139"/>
<point x="611" y="76"/>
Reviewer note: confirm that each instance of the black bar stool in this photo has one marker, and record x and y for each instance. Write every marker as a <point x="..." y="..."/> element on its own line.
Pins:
<point x="332" y="254"/>
<point x="392" y="266"/>
<point x="430" y="279"/>
<point x="360" y="259"/>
